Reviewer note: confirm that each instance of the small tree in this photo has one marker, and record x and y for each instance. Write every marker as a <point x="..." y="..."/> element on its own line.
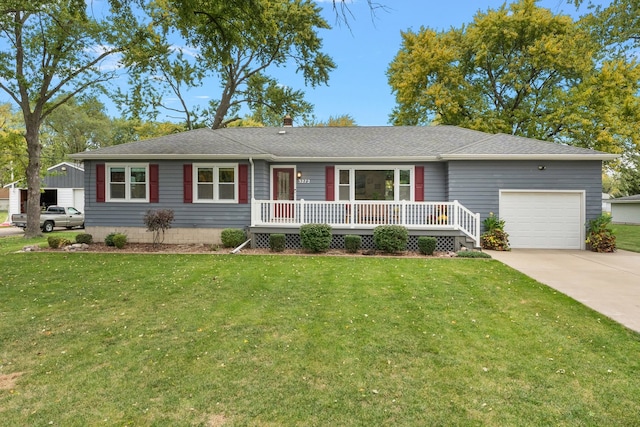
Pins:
<point x="158" y="221"/>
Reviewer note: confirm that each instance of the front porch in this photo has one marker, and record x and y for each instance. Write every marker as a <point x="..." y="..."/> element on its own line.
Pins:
<point x="450" y="222"/>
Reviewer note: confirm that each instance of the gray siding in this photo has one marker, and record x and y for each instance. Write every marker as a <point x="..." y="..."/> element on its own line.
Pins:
<point x="187" y="215"/>
<point x="261" y="180"/>
<point x="476" y="184"/>
<point x="315" y="188"/>
<point x="435" y="182"/>
<point x="57" y="178"/>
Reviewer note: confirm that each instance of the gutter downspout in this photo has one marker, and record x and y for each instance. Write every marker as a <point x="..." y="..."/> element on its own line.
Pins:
<point x="253" y="194"/>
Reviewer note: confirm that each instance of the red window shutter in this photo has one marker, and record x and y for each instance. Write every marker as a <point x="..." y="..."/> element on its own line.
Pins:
<point x="243" y="183"/>
<point x="100" y="183"/>
<point x="419" y="184"/>
<point x="330" y="183"/>
<point x="154" y="190"/>
<point x="188" y="183"/>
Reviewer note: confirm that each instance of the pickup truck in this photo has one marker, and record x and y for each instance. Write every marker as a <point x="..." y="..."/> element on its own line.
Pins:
<point x="54" y="216"/>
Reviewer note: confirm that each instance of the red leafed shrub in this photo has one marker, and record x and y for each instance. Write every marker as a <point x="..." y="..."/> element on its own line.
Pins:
<point x="158" y="221"/>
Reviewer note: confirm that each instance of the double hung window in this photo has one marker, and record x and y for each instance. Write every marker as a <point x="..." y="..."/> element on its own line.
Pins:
<point x="215" y="183"/>
<point x="128" y="183"/>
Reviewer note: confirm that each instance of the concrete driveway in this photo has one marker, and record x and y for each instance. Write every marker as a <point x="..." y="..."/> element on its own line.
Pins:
<point x="608" y="283"/>
<point x="11" y="231"/>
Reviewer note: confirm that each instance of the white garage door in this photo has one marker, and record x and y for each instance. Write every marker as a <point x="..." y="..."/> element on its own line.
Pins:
<point x="542" y="219"/>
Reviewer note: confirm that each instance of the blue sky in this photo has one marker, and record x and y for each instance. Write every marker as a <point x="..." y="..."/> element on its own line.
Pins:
<point x="358" y="86"/>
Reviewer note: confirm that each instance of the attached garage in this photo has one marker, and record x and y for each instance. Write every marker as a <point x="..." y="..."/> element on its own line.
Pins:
<point x="543" y="219"/>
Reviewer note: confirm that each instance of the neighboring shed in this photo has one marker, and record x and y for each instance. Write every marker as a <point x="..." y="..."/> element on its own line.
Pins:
<point x="63" y="185"/>
<point x="626" y="210"/>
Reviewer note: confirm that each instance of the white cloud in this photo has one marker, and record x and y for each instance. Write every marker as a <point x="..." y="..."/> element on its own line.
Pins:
<point x="189" y="51"/>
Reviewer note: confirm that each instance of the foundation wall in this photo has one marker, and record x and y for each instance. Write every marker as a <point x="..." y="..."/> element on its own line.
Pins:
<point x="172" y="236"/>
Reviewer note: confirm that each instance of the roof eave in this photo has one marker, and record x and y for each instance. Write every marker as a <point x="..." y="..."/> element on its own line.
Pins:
<point x="369" y="159"/>
<point x="122" y="157"/>
<point x="602" y="156"/>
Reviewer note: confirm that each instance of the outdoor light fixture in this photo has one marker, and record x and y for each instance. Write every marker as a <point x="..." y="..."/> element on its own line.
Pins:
<point x="299" y="174"/>
<point x="541" y="167"/>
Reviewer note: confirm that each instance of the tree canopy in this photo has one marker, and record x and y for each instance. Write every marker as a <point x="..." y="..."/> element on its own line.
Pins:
<point x="51" y="52"/>
<point x="237" y="42"/>
<point x="13" y="161"/>
<point x="522" y="70"/>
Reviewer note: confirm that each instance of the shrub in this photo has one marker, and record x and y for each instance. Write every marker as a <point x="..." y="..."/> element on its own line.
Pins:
<point x="498" y="240"/>
<point x="84" y="238"/>
<point x="427" y="245"/>
<point x="492" y="223"/>
<point x="494" y="236"/>
<point x="352" y="243"/>
<point x="276" y="242"/>
<point x="390" y="238"/>
<point x="472" y="254"/>
<point x="158" y="221"/>
<point x="315" y="237"/>
<point x="54" y="242"/>
<point x="119" y="240"/>
<point x="232" y="237"/>
<point x="600" y="235"/>
<point x="109" y="239"/>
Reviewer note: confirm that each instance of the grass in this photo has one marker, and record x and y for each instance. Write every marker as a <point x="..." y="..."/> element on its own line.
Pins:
<point x="124" y="339"/>
<point x="627" y="237"/>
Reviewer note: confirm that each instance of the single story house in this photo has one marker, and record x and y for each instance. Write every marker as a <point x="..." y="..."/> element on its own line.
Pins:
<point x="437" y="180"/>
<point x="63" y="185"/>
<point x="625" y="210"/>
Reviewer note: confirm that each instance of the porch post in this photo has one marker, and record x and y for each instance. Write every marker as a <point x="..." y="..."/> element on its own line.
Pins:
<point x="456" y="209"/>
<point x="254" y="211"/>
<point x="477" y="233"/>
<point x="302" y="211"/>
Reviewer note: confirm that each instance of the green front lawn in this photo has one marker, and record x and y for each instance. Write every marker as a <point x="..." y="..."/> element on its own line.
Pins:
<point x="627" y="237"/>
<point x="124" y="339"/>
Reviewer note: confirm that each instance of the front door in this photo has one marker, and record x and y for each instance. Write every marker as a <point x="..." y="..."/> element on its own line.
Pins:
<point x="283" y="189"/>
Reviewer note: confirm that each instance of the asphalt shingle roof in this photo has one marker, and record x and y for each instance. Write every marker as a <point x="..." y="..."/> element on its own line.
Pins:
<point x="316" y="143"/>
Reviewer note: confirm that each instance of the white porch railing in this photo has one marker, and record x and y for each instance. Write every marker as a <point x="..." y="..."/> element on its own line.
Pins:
<point x="367" y="214"/>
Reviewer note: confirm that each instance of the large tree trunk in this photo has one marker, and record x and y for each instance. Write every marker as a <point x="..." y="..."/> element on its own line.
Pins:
<point x="33" y="179"/>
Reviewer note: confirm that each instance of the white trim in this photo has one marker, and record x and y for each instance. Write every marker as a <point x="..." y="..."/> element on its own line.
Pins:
<point x="127" y="182"/>
<point x="620" y="202"/>
<point x="340" y="159"/>
<point x="595" y="156"/>
<point x="215" y="184"/>
<point x="65" y="164"/>
<point x="583" y="204"/>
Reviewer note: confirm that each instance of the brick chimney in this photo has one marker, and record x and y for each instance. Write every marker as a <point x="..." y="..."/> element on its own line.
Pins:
<point x="288" y="121"/>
